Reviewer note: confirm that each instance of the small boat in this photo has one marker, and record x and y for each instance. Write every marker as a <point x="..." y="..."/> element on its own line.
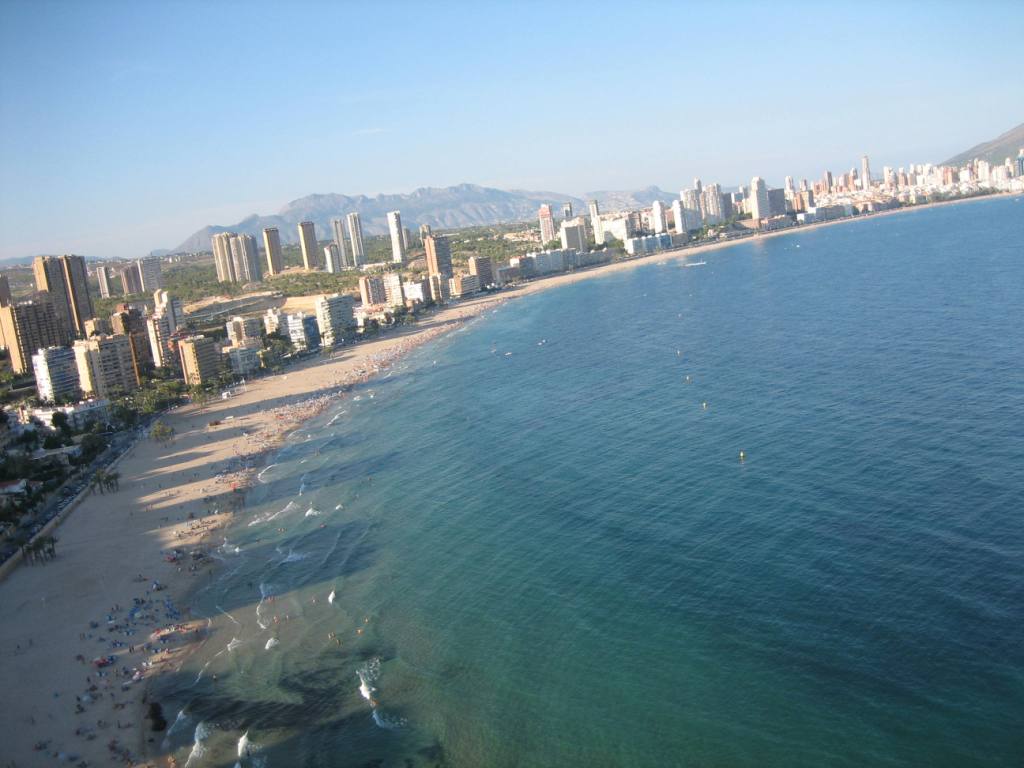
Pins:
<point x="695" y="264"/>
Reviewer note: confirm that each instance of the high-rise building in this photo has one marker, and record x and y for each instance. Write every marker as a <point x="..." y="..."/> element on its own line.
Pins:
<point x="711" y="202"/>
<point x="307" y="242"/>
<point x="304" y="331"/>
<point x="758" y="202"/>
<point x="678" y="218"/>
<point x="393" y="295"/>
<point x="777" y="203"/>
<point x="28" y="326"/>
<point x="96" y="326"/>
<point x="566" y="211"/>
<point x="162" y="346"/>
<point x="332" y="258"/>
<point x="245" y="331"/>
<point x="406" y="239"/>
<point x="56" y="374"/>
<point x="334" y="314"/>
<point x="692" y="213"/>
<point x="439" y="255"/>
<point x="355" y="237"/>
<point x="338" y="227"/>
<point x="167" y="306"/>
<point x="105" y="365"/>
<point x="245" y="259"/>
<point x="131" y="280"/>
<point x="150" y="273"/>
<point x="5" y="291"/>
<point x="574" y="235"/>
<point x="657" y="219"/>
<point x="425" y="230"/>
<point x="65" y="280"/>
<point x="272" y="320"/>
<point x="371" y="290"/>
<point x="595" y="221"/>
<point x="129" y="322"/>
<point x="463" y="285"/>
<point x="417" y="290"/>
<point x="827" y="182"/>
<point x="272" y="245"/>
<point x="547" y="224"/>
<point x="865" y="174"/>
<point x="483" y="268"/>
<point x="397" y="238"/>
<point x="221" y="243"/>
<point x="439" y="289"/>
<point x="200" y="360"/>
<point x="697" y="186"/>
<point x="1020" y="163"/>
<point x="105" y="276"/>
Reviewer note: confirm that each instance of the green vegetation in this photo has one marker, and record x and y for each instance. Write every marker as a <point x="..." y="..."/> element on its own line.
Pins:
<point x="488" y="242"/>
<point x="308" y="283"/>
<point x="162" y="434"/>
<point x="198" y="280"/>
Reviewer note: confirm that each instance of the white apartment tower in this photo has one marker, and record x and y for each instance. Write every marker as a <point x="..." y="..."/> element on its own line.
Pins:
<point x="397" y="237"/>
<point x="393" y="290"/>
<point x="658" y="217"/>
<point x="245" y="259"/>
<point x="595" y="221"/>
<point x="678" y="217"/>
<point x="338" y="228"/>
<point x="865" y="174"/>
<point x="758" y="202"/>
<point x="56" y="373"/>
<point x="334" y="315"/>
<point x="355" y="237"/>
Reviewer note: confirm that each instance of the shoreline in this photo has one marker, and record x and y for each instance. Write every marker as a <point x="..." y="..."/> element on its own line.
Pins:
<point x="179" y="496"/>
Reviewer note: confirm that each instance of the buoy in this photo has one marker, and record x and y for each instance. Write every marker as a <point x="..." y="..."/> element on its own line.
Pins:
<point x="704" y="406"/>
<point x="742" y="455"/>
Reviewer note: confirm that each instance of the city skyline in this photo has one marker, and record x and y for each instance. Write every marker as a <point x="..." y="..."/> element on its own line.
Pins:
<point x="89" y="124"/>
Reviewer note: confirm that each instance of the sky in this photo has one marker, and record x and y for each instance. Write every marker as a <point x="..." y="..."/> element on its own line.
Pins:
<point x="125" y="127"/>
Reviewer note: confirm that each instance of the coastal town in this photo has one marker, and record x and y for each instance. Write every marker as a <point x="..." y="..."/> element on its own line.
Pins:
<point x="80" y="384"/>
<point x="130" y="438"/>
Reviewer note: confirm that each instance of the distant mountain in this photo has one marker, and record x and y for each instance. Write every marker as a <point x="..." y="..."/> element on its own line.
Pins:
<point x="465" y="205"/>
<point x="995" y="151"/>
<point x="640" y="198"/>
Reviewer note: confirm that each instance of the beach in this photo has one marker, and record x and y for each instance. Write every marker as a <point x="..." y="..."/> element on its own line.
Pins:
<point x="117" y="590"/>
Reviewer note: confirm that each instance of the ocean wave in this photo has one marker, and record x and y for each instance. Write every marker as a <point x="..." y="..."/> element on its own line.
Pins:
<point x="388" y="722"/>
<point x="181" y="721"/>
<point x="202" y="733"/>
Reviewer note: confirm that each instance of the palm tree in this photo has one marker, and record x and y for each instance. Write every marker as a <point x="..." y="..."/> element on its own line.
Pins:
<point x="113" y="480"/>
<point x="99" y="480"/>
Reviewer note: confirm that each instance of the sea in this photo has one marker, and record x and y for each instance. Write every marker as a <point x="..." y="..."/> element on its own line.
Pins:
<point x="763" y="506"/>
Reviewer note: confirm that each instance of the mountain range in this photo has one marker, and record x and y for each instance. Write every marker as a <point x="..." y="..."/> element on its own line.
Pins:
<point x="995" y="151"/>
<point x="464" y="205"/>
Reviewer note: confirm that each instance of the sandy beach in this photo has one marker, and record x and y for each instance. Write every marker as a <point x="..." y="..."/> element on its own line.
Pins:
<point x="117" y="590"/>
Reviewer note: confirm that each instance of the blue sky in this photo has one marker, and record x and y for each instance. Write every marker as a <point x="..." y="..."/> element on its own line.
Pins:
<point x="126" y="126"/>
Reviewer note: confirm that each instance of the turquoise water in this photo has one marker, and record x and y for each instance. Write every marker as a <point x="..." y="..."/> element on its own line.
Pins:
<point x="556" y="557"/>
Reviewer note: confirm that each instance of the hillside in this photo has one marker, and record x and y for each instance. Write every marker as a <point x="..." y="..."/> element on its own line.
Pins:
<point x="465" y="205"/>
<point x="995" y="151"/>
